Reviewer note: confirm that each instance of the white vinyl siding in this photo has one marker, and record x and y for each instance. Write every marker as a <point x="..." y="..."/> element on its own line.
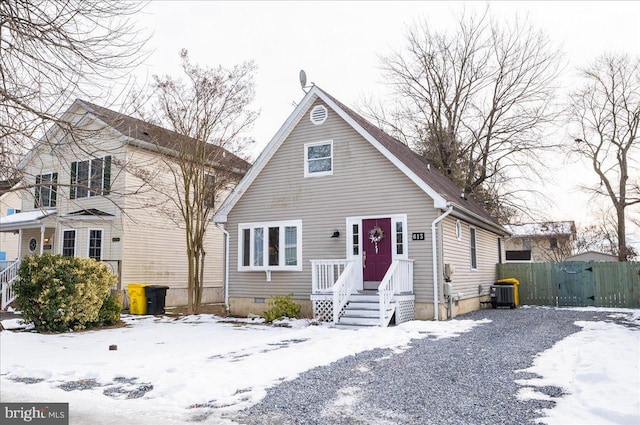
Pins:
<point x="148" y="229"/>
<point x="270" y="246"/>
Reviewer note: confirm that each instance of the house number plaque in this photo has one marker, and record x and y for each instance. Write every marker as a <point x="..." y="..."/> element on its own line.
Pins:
<point x="417" y="236"/>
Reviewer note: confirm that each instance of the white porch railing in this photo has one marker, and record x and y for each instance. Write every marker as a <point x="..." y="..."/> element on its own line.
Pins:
<point x="325" y="273"/>
<point x="397" y="280"/>
<point x="342" y="290"/>
<point x="7" y="277"/>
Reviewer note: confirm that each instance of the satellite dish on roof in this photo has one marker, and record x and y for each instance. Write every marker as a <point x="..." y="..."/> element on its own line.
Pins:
<point x="303" y="79"/>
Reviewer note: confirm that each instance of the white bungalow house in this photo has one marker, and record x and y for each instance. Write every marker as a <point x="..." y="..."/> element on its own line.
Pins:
<point x="87" y="201"/>
<point x="355" y="225"/>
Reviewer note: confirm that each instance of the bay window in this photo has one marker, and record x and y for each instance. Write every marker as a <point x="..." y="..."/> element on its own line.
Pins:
<point x="270" y="245"/>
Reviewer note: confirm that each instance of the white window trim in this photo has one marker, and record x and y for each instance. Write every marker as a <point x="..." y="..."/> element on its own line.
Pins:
<point x="475" y="250"/>
<point x="265" y="252"/>
<point x="357" y="258"/>
<point x="75" y="241"/>
<point x="51" y="187"/>
<point x="307" y="173"/>
<point x="101" y="241"/>
<point x="88" y="187"/>
<point x="29" y="244"/>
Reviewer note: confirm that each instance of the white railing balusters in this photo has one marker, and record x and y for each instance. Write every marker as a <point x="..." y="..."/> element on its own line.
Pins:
<point x="338" y="279"/>
<point x="7" y="277"/>
<point x="342" y="290"/>
<point x="325" y="273"/>
<point x="398" y="279"/>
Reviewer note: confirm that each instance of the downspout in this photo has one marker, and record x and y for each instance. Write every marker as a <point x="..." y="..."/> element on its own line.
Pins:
<point x="434" y="246"/>
<point x="226" y="267"/>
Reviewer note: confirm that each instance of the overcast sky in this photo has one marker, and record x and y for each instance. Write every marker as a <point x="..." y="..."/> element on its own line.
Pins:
<point x="338" y="44"/>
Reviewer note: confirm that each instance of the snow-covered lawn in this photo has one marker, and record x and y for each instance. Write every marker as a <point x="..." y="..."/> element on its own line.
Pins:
<point x="168" y="371"/>
<point x="599" y="370"/>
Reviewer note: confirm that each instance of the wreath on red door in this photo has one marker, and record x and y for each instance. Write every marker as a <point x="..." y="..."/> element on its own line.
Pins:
<point x="376" y="234"/>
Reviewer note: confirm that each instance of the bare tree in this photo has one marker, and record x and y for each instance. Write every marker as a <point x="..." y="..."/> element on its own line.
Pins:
<point x="51" y="52"/>
<point x="606" y="114"/>
<point x="475" y="101"/>
<point x="210" y="110"/>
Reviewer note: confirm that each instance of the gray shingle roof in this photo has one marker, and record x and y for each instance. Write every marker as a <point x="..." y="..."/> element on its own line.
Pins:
<point x="143" y="131"/>
<point x="419" y="165"/>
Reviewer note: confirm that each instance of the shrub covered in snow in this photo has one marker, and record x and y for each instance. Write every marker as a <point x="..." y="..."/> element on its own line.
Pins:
<point x="281" y="306"/>
<point x="59" y="293"/>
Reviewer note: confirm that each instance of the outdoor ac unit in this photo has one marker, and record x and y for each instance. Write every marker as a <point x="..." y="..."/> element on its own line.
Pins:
<point x="503" y="296"/>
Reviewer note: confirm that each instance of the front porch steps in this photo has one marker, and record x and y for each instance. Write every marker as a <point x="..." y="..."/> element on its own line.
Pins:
<point x="362" y="311"/>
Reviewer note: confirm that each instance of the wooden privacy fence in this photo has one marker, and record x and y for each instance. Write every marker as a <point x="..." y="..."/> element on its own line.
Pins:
<point x="576" y="283"/>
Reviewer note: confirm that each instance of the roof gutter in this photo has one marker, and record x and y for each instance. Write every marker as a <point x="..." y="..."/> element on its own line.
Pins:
<point x="434" y="247"/>
<point x="496" y="228"/>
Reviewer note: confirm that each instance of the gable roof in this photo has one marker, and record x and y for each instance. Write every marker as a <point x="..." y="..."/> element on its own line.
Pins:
<point x="145" y="134"/>
<point x="435" y="184"/>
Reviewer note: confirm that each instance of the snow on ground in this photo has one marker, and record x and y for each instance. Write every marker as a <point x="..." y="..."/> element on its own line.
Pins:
<point x="170" y="371"/>
<point x="598" y="369"/>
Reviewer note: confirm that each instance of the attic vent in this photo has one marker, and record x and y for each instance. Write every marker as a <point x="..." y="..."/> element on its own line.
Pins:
<point x="318" y="114"/>
<point x="145" y="132"/>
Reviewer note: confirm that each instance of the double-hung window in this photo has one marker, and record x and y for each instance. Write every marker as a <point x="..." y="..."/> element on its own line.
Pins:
<point x="270" y="245"/>
<point x="95" y="244"/>
<point x="69" y="243"/>
<point x="474" y="255"/>
<point x="45" y="192"/>
<point x="91" y="177"/>
<point x="318" y="159"/>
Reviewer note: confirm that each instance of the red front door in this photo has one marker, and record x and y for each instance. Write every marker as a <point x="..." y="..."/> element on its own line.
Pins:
<point x="376" y="251"/>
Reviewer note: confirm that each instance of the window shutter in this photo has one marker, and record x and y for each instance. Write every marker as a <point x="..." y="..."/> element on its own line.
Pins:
<point x="74" y="179"/>
<point x="54" y="189"/>
<point x="36" y="202"/>
<point x="106" y="183"/>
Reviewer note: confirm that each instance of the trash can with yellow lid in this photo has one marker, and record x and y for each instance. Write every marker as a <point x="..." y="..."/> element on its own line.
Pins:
<point x="505" y="293"/>
<point x="137" y="298"/>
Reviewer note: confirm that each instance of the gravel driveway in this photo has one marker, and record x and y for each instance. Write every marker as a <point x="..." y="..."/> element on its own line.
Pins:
<point x="464" y="380"/>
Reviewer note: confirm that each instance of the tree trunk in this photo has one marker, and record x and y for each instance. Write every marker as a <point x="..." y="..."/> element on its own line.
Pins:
<point x="622" y="239"/>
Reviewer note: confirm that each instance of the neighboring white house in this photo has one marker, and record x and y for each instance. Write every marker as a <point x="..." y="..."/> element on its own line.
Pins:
<point x="10" y="204"/>
<point x="86" y="202"/>
<point x="594" y="256"/>
<point x="540" y="242"/>
<point x="355" y="225"/>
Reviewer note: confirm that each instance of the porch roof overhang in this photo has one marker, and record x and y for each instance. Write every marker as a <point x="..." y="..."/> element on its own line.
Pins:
<point x="25" y="220"/>
<point x="86" y="214"/>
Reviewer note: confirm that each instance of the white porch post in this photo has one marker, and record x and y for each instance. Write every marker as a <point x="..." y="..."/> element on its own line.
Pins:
<point x="19" y="244"/>
<point x="41" y="240"/>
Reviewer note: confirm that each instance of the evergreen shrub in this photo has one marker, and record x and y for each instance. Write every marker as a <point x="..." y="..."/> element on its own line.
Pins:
<point x="58" y="293"/>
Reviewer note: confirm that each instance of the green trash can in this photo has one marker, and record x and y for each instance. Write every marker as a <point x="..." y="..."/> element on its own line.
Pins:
<point x="137" y="298"/>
